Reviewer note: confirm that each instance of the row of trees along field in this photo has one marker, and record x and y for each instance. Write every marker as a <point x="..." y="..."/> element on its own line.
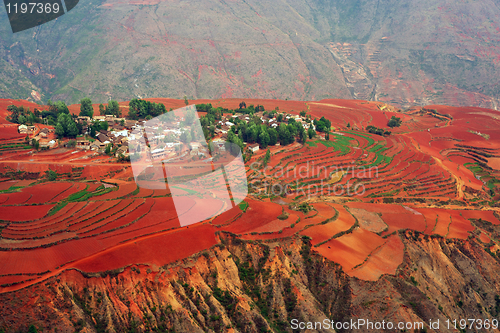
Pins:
<point x="58" y="116"/>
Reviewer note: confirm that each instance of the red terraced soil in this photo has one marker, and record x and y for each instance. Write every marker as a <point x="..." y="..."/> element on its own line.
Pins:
<point x="24" y="213"/>
<point x="159" y="218"/>
<point x="123" y="190"/>
<point x="82" y="226"/>
<point x="69" y="210"/>
<point x="378" y="208"/>
<point x="77" y="187"/>
<point x="156" y="250"/>
<point x="14" y="279"/>
<point x="484" y="238"/>
<point x="443" y="223"/>
<point x="144" y="192"/>
<point x="277" y="225"/>
<point x="459" y="227"/>
<point x="16" y="198"/>
<point x="323" y="232"/>
<point x="407" y="220"/>
<point x="351" y="249"/>
<point x="201" y="210"/>
<point x="287" y="232"/>
<point x="36" y="243"/>
<point x="46" y="192"/>
<point x="8" y="184"/>
<point x="227" y="216"/>
<point x="382" y="261"/>
<point x="110" y="221"/>
<point x="486" y="215"/>
<point x="9" y="132"/>
<point x="257" y="214"/>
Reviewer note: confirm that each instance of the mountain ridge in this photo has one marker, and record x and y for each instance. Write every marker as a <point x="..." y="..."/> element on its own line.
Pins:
<point x="403" y="53"/>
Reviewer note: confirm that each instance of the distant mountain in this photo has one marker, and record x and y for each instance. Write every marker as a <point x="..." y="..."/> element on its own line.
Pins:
<point x="402" y="52"/>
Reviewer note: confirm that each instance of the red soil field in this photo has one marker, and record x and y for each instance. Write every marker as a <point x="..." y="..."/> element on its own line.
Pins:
<point x="24" y="213"/>
<point x="484" y="238"/>
<point x="459" y="227"/>
<point x="277" y="225"/>
<point x="46" y="192"/>
<point x="323" y="232"/>
<point x="486" y="215"/>
<point x="407" y="220"/>
<point x="227" y="216"/>
<point x="256" y="215"/>
<point x="122" y="191"/>
<point x="16" y="198"/>
<point x="424" y="157"/>
<point x="108" y="222"/>
<point x="10" y="132"/>
<point x="157" y="250"/>
<point x="351" y="249"/>
<point x="76" y="187"/>
<point x="384" y="260"/>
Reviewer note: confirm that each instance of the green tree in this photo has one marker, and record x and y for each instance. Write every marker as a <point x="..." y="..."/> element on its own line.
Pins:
<point x="86" y="109"/>
<point x="394" y="122"/>
<point x="264" y="139"/>
<point x="32" y="329"/>
<point x="72" y="130"/>
<point x="311" y="133"/>
<point x="302" y="113"/>
<point x="60" y="130"/>
<point x="102" y="110"/>
<point x="51" y="175"/>
<point x="186" y="100"/>
<point x="21" y="119"/>
<point x="273" y="136"/>
<point x="303" y="137"/>
<point x="113" y="108"/>
<point x="327" y="136"/>
<point x="107" y="151"/>
<point x="61" y="107"/>
<point x="267" y="158"/>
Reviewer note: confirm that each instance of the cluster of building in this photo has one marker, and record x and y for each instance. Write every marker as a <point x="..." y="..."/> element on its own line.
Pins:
<point x="119" y="133"/>
<point x="45" y="136"/>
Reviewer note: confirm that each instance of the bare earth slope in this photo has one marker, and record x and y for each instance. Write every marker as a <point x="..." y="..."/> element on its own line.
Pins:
<point x="405" y="52"/>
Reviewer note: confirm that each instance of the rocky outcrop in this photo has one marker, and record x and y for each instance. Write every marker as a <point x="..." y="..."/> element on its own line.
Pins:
<point x="247" y="286"/>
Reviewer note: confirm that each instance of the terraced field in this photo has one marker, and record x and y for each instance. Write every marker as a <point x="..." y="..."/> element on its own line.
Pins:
<point x="352" y="196"/>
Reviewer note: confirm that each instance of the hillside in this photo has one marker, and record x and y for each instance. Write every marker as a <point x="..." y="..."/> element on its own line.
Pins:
<point x="403" y="227"/>
<point x="402" y="52"/>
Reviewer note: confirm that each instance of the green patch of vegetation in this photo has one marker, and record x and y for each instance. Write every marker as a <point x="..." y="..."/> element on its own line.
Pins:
<point x="57" y="208"/>
<point x="12" y="189"/>
<point x="243" y="206"/>
<point x="77" y="195"/>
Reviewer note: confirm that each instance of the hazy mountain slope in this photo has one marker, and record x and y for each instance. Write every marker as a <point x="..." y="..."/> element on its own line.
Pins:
<point x="404" y="52"/>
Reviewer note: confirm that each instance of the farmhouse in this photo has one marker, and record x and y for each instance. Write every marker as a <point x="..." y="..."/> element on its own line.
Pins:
<point x="158" y="154"/>
<point x="83" y="144"/>
<point x="254" y="147"/>
<point x="122" y="150"/>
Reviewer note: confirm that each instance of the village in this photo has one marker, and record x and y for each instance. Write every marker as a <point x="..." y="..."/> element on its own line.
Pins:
<point x="166" y="142"/>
